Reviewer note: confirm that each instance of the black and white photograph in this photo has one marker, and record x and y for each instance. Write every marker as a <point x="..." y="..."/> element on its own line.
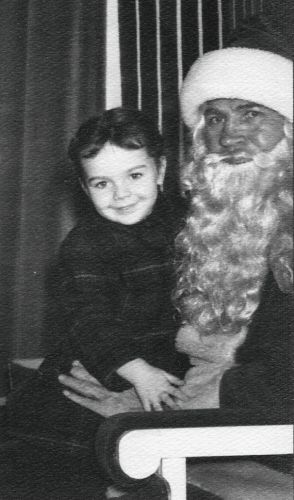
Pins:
<point x="146" y="249"/>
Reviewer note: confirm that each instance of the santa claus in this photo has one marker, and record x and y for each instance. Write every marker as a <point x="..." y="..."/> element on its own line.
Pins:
<point x="235" y="252"/>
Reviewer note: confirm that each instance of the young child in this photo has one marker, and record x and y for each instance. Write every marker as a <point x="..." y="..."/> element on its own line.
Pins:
<point x="114" y="281"/>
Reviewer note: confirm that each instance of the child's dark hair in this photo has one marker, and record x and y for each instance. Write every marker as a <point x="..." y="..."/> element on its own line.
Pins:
<point x="123" y="127"/>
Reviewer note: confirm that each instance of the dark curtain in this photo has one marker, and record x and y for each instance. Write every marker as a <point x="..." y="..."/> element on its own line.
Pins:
<point x="52" y="78"/>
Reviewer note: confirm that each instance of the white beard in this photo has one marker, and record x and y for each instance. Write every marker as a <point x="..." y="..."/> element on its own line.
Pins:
<point x="234" y="216"/>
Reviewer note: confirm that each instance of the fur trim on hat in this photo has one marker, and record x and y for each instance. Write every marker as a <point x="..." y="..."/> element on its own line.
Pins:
<point x="238" y="73"/>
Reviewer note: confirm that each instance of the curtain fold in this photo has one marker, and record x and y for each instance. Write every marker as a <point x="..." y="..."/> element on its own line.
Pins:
<point x="127" y="13"/>
<point x="210" y="19"/>
<point x="52" y="78"/>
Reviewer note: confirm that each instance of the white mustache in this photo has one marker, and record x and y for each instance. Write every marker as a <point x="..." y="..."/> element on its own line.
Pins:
<point x="260" y="159"/>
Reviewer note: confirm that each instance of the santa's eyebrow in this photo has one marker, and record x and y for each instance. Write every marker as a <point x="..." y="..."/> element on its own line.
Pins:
<point x="250" y="105"/>
<point x="212" y="110"/>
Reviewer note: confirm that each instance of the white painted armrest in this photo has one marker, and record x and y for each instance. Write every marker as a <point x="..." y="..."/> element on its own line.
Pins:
<point x="142" y="452"/>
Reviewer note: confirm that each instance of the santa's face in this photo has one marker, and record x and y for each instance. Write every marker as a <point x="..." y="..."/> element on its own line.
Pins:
<point x="238" y="130"/>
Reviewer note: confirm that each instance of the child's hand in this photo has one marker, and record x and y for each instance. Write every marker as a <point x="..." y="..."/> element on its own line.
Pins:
<point x="153" y="385"/>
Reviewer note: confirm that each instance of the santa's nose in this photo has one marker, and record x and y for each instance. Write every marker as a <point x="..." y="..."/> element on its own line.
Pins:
<point x="232" y="135"/>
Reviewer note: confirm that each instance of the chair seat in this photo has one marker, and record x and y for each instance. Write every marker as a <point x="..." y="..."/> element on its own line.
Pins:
<point x="240" y="479"/>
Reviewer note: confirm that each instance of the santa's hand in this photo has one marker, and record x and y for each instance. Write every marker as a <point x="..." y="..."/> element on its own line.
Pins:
<point x="84" y="387"/>
<point x="94" y="396"/>
<point x="109" y="404"/>
<point x="79" y="372"/>
<point x="92" y="404"/>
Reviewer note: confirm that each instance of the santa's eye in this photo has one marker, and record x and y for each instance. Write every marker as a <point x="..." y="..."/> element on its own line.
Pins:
<point x="251" y="114"/>
<point x="213" y="120"/>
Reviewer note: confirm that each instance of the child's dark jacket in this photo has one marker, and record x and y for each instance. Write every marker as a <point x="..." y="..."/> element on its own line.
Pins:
<point x="113" y="286"/>
<point x="114" y="291"/>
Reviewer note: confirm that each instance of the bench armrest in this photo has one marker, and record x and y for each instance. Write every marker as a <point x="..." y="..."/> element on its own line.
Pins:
<point x="133" y="446"/>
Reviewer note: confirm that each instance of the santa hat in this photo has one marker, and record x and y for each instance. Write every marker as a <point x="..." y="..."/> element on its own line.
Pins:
<point x="238" y="73"/>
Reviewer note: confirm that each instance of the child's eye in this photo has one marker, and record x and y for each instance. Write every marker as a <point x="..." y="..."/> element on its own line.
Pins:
<point x="136" y="175"/>
<point x="100" y="184"/>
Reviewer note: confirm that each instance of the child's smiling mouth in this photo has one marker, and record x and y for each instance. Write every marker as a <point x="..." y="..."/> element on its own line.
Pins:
<point x="127" y="208"/>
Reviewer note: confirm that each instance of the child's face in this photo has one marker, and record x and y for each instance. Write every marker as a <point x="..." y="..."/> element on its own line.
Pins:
<point x="122" y="183"/>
